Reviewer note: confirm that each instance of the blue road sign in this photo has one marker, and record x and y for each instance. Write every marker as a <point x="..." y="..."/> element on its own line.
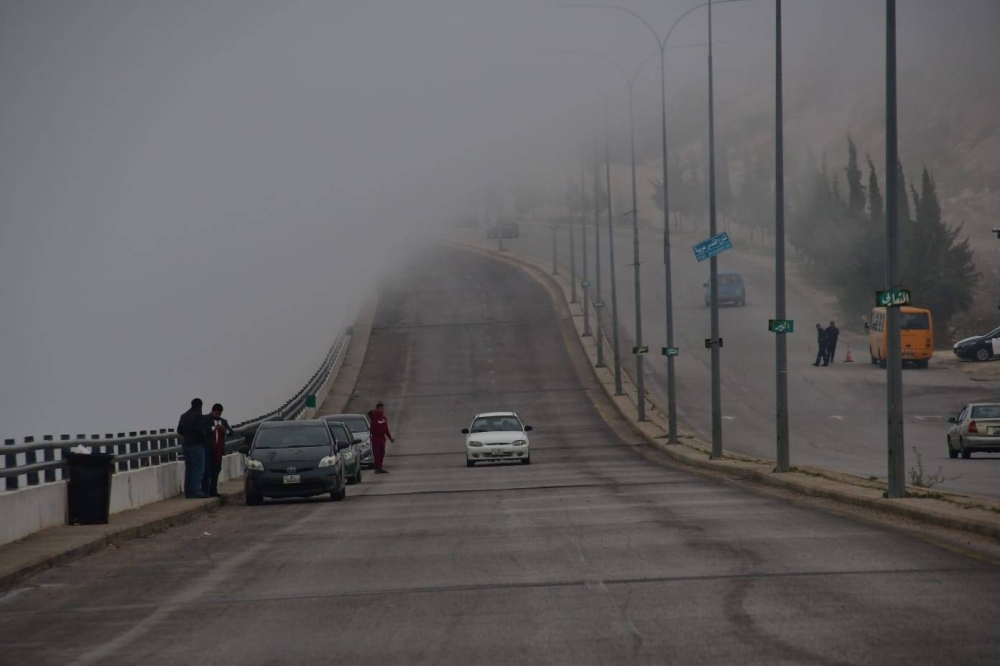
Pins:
<point x="710" y="247"/>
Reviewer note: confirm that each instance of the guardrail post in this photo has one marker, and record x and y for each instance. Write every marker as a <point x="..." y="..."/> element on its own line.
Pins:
<point x="144" y="446"/>
<point x="10" y="461"/>
<point x="132" y="447"/>
<point x="49" y="455"/>
<point x="63" y="475"/>
<point x="30" y="458"/>
<point x="173" y="441"/>
<point x="97" y="448"/>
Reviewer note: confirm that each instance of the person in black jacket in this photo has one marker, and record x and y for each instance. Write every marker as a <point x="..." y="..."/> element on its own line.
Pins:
<point x="832" y="333"/>
<point x="821" y="341"/>
<point x="191" y="429"/>
<point x="216" y="430"/>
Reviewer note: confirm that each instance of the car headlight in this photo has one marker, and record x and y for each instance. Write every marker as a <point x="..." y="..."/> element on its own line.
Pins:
<point x="255" y="465"/>
<point x="348" y="455"/>
<point x="328" y="461"/>
<point x="475" y="443"/>
<point x="520" y="442"/>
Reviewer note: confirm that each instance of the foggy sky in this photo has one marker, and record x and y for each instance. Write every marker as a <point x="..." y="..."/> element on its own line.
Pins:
<point x="196" y="194"/>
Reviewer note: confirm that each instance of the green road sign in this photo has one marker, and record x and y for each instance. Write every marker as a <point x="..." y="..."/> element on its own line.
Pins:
<point x="585" y="283"/>
<point x="892" y="298"/>
<point x="670" y="351"/>
<point x="639" y="351"/>
<point x="311" y="401"/>
<point x="780" y="325"/>
<point x="599" y="304"/>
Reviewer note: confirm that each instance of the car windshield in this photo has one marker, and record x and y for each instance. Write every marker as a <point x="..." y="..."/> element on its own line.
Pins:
<point x="914" y="321"/>
<point x="496" y="424"/>
<point x="357" y="424"/>
<point x="734" y="280"/>
<point x="291" y="437"/>
<point x="986" y="412"/>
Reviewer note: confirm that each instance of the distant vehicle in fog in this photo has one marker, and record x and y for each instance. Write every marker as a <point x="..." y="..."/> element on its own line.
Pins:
<point x="497" y="436"/>
<point x="976" y="428"/>
<point x="504" y="227"/>
<point x="731" y="289"/>
<point x="979" y="347"/>
<point x="916" y="336"/>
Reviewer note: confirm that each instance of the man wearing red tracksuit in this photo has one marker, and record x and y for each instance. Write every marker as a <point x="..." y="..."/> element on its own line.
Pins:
<point x="380" y="430"/>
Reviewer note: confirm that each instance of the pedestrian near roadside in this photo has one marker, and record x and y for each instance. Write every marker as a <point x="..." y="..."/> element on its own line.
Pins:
<point x="380" y="430"/>
<point x="821" y="342"/>
<point x="216" y="429"/>
<point x="832" y="334"/>
<point x="189" y="427"/>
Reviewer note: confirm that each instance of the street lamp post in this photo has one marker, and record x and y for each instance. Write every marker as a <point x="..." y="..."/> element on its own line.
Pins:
<point x="894" y="363"/>
<point x="713" y="262"/>
<point x="583" y="234"/>
<point x="572" y="254"/>
<point x="781" y="341"/>
<point x="598" y="304"/>
<point x="611" y="259"/>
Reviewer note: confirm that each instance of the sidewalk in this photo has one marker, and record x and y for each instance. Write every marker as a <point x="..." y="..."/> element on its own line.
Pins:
<point x="977" y="515"/>
<point x="59" y="545"/>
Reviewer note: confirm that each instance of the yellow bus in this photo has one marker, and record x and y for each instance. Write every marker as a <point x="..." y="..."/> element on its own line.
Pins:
<point x="916" y="332"/>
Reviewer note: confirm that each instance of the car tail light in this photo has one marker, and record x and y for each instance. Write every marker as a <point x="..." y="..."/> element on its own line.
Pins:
<point x="973" y="429"/>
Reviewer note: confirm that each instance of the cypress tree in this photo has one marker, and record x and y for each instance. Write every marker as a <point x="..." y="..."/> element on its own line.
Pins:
<point x="876" y="208"/>
<point x="855" y="190"/>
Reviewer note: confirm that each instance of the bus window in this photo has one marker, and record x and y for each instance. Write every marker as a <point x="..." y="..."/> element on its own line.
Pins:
<point x="914" y="321"/>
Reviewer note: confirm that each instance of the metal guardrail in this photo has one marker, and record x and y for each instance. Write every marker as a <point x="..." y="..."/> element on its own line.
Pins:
<point x="20" y="464"/>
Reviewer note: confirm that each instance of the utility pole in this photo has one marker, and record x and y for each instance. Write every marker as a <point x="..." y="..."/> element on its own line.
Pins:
<point x="781" y="342"/>
<point x="572" y="253"/>
<point x="583" y="233"/>
<point x="894" y="362"/>
<point x="714" y="261"/>
<point x="640" y="385"/>
<point x="598" y="304"/>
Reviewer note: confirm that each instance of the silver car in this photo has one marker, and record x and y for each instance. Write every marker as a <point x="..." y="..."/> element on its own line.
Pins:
<point x="976" y="428"/>
<point x="359" y="425"/>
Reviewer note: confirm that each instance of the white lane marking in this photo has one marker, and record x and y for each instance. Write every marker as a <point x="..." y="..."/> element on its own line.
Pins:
<point x="933" y="417"/>
<point x="729" y="418"/>
<point x="836" y="416"/>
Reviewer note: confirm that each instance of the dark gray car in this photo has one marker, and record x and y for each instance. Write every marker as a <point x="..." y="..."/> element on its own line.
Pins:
<point x="293" y="459"/>
<point x="360" y="426"/>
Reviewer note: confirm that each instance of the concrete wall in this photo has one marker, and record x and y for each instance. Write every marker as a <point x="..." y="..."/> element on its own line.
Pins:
<point x="35" y="508"/>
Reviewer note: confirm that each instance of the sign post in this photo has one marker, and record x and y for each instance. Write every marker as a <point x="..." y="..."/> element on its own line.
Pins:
<point x="781" y="325"/>
<point x="711" y="247"/>
<point x="892" y="298"/>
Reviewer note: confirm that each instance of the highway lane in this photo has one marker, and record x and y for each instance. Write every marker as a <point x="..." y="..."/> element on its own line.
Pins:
<point x="592" y="554"/>
<point x="837" y="413"/>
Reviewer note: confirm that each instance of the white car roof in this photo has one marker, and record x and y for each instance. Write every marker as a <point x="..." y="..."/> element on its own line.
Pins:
<point x="495" y="414"/>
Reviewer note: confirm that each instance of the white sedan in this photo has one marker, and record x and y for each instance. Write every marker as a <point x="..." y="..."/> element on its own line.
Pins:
<point x="496" y="436"/>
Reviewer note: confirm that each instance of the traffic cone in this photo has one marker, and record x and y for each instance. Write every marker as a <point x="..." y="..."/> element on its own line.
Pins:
<point x="848" y="359"/>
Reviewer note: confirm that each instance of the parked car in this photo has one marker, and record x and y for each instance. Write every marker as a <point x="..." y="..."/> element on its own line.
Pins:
<point x="349" y="446"/>
<point x="731" y="289"/>
<point x="979" y="347"/>
<point x="293" y="459"/>
<point x="361" y="427"/>
<point x="506" y="227"/>
<point x="497" y="436"/>
<point x="976" y="428"/>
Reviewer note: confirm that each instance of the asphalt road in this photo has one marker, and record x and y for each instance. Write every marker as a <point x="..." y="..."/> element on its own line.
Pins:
<point x="837" y="414"/>
<point x="591" y="555"/>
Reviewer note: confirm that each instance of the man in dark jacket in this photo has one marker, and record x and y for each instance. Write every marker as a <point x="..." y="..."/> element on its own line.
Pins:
<point x="193" y="442"/>
<point x="832" y="333"/>
<point x="379" y="431"/>
<point x="821" y="341"/>
<point x="216" y="429"/>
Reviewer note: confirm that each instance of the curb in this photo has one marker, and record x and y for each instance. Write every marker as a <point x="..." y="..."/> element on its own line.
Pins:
<point x="811" y="482"/>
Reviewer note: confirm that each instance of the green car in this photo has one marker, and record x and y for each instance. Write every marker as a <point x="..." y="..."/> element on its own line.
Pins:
<point x="349" y="447"/>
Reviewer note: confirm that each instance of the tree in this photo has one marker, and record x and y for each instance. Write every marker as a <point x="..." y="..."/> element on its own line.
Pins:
<point x="876" y="206"/>
<point x="855" y="190"/>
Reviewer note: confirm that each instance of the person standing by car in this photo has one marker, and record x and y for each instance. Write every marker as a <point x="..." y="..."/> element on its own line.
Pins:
<point x="832" y="334"/>
<point x="821" y="342"/>
<point x="189" y="427"/>
<point x="380" y="430"/>
<point x="216" y="429"/>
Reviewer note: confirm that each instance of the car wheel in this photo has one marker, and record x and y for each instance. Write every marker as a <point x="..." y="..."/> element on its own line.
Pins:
<point x="982" y="354"/>
<point x="254" y="500"/>
<point x="357" y="475"/>
<point x="526" y="461"/>
<point x="743" y="302"/>
<point x="952" y="453"/>
<point x="966" y="453"/>
<point x="470" y="463"/>
<point x="339" y="494"/>
<point x="874" y="360"/>
<point x="882" y="362"/>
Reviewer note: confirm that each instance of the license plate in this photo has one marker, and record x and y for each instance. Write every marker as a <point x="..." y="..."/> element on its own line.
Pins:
<point x="292" y="478"/>
<point x="994" y="431"/>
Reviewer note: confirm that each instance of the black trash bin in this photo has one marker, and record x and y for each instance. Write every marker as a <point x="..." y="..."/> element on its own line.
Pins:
<point x="90" y="487"/>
